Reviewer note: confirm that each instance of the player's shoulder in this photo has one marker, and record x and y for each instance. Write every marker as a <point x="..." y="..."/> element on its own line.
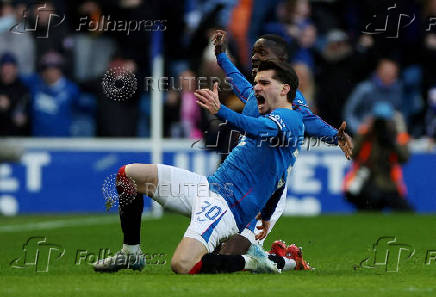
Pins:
<point x="286" y="113"/>
<point x="286" y="117"/>
<point x="299" y="99"/>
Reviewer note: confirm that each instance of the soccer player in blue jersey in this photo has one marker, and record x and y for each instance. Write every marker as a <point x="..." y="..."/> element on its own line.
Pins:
<point x="222" y="204"/>
<point x="271" y="47"/>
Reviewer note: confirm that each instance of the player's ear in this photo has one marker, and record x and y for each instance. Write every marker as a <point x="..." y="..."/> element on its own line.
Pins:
<point x="285" y="89"/>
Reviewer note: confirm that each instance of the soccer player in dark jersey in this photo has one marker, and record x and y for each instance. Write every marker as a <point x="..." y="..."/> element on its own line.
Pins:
<point x="222" y="204"/>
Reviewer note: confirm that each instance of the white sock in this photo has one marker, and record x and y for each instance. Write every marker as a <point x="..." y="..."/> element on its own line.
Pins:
<point x="290" y="264"/>
<point x="131" y="249"/>
<point x="250" y="263"/>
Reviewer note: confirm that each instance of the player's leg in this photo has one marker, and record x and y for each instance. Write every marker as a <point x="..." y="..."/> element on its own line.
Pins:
<point x="192" y="256"/>
<point x="235" y="245"/>
<point x="240" y="243"/>
<point x="188" y="253"/>
<point x="165" y="184"/>
<point x="145" y="177"/>
<point x="172" y="187"/>
<point x="212" y="222"/>
<point x="131" y="204"/>
<point x="133" y="181"/>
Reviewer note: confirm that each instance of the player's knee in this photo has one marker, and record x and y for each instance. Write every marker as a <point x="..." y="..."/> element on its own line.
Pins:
<point x="137" y="178"/>
<point x="180" y="266"/>
<point x="124" y="184"/>
<point x="144" y="176"/>
<point x="122" y="171"/>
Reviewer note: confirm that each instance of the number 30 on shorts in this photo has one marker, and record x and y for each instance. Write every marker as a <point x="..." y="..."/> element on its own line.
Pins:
<point x="210" y="212"/>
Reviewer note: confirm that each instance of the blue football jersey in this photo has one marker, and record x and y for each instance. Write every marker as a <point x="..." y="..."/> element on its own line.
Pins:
<point x="255" y="167"/>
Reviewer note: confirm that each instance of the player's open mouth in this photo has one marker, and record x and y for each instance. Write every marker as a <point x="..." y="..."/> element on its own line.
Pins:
<point x="260" y="101"/>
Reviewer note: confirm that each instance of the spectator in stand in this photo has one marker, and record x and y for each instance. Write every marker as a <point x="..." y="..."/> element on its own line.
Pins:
<point x="428" y="65"/>
<point x="21" y="45"/>
<point x="119" y="118"/>
<point x="384" y="85"/>
<point x="375" y="180"/>
<point x="431" y="115"/>
<point x="172" y="114"/>
<point x="92" y="50"/>
<point x="51" y="33"/>
<point x="339" y="68"/>
<point x="190" y="113"/>
<point x="306" y="83"/>
<point x="295" y="26"/>
<point x="182" y="116"/>
<point x="53" y="98"/>
<point x="14" y="99"/>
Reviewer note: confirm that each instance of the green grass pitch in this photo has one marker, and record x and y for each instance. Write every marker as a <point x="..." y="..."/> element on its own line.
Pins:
<point x="334" y="244"/>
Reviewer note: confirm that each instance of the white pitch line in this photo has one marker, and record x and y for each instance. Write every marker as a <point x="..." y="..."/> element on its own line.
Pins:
<point x="54" y="224"/>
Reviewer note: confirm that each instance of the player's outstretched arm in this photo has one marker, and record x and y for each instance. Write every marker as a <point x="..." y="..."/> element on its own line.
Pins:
<point x="241" y="86"/>
<point x="254" y="127"/>
<point x="314" y="126"/>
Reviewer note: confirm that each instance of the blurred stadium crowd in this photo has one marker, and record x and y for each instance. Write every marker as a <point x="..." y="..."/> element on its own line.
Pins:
<point x="51" y="87"/>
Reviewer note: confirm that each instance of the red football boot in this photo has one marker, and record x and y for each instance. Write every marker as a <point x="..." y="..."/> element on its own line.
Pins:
<point x="278" y="248"/>
<point x="295" y="253"/>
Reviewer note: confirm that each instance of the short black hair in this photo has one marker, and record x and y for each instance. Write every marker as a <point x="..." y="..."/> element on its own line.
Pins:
<point x="284" y="73"/>
<point x="282" y="49"/>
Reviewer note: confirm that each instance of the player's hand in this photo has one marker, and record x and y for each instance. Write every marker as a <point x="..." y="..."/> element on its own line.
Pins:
<point x="264" y="228"/>
<point x="344" y="141"/>
<point x="209" y="99"/>
<point x="219" y="41"/>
